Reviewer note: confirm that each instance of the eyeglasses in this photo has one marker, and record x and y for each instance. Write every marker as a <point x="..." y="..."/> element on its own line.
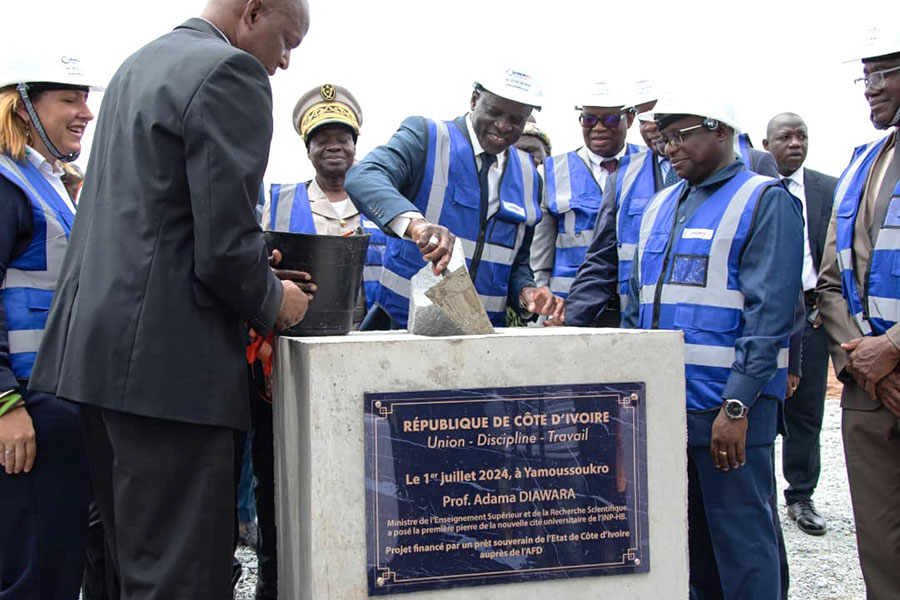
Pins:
<point x="875" y="79"/>
<point x="609" y="121"/>
<point x="676" y="138"/>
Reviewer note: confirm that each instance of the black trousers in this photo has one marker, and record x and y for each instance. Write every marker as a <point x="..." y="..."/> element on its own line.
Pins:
<point x="803" y="412"/>
<point x="165" y="493"/>
<point x="43" y="514"/>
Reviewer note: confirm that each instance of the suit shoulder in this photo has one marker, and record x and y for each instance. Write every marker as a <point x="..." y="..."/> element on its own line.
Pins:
<point x="775" y="195"/>
<point x="188" y="53"/>
<point x="828" y="180"/>
<point x="416" y="123"/>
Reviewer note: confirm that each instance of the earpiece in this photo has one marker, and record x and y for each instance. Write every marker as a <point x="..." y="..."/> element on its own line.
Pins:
<point x="711" y="124"/>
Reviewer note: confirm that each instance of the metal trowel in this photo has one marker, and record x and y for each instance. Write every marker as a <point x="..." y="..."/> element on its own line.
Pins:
<point x="447" y="304"/>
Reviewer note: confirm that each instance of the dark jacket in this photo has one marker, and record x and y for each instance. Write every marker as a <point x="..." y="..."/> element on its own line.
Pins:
<point x="819" y="190"/>
<point x="166" y="258"/>
<point x="16" y="229"/>
<point x="387" y="180"/>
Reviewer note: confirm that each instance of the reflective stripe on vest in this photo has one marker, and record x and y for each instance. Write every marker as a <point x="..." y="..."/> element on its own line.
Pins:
<point x="699" y="292"/>
<point x="287" y="209"/>
<point x="27" y="290"/>
<point x="374" y="259"/>
<point x="574" y="198"/>
<point x="450" y="196"/>
<point x="878" y="308"/>
<point x="635" y="186"/>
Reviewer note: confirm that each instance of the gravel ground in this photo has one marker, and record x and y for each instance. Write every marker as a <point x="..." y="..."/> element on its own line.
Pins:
<point x="247" y="584"/>
<point x="822" y="568"/>
<point x="825" y="567"/>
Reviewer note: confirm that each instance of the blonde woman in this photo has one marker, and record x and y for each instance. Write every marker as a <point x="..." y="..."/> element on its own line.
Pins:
<point x="43" y="474"/>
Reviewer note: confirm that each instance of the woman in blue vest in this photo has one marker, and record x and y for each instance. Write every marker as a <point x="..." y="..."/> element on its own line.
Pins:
<point x="328" y="118"/>
<point x="43" y="481"/>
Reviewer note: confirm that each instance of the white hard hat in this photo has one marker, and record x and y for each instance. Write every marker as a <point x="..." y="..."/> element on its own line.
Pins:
<point x="697" y="101"/>
<point x="514" y="85"/>
<point x="607" y="94"/>
<point x="59" y="68"/>
<point x="878" y="41"/>
<point x="644" y="92"/>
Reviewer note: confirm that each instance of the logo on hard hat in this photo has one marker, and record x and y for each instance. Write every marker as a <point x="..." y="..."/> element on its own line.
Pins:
<point x="68" y="60"/>
<point x="519" y="80"/>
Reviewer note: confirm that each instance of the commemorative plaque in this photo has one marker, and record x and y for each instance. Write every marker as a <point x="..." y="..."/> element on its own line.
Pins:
<point x="483" y="486"/>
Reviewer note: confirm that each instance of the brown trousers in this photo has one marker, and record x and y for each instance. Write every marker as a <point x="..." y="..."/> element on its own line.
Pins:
<point x="872" y="450"/>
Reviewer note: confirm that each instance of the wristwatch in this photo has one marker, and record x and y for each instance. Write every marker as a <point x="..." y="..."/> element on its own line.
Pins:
<point x="735" y="409"/>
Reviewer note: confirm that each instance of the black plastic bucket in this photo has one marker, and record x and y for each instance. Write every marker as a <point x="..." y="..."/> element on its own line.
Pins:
<point x="336" y="265"/>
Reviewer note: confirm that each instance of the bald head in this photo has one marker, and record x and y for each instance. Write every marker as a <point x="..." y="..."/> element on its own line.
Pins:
<point x="788" y="141"/>
<point x="785" y="118"/>
<point x="267" y="29"/>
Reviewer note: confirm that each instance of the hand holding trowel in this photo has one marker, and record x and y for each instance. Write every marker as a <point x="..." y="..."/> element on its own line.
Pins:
<point x="447" y="304"/>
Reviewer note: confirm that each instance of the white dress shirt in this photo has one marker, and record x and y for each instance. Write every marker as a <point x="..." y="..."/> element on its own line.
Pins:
<point x="219" y="31"/>
<point x="665" y="165"/>
<point x="601" y="174"/>
<point x="794" y="183"/>
<point x="52" y="172"/>
<point x="494" y="172"/>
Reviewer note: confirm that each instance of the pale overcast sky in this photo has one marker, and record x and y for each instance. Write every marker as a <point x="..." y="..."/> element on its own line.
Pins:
<point x="408" y="57"/>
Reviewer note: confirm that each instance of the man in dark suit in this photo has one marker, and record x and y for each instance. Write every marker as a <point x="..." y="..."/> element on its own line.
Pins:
<point x="438" y="180"/>
<point x="787" y="140"/>
<point x="165" y="262"/>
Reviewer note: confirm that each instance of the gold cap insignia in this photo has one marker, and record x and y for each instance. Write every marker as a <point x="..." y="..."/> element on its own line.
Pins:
<point x="327" y="92"/>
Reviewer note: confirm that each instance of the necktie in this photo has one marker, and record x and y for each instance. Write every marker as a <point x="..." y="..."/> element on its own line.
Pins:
<point x="671" y="176"/>
<point x="609" y="165"/>
<point x="486" y="161"/>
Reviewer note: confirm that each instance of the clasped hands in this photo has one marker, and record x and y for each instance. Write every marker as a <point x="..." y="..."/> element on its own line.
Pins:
<point x="873" y="363"/>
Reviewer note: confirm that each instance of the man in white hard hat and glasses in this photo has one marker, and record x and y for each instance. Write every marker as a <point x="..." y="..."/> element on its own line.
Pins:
<point x="859" y="299"/>
<point x="718" y="257"/>
<point x="437" y="180"/>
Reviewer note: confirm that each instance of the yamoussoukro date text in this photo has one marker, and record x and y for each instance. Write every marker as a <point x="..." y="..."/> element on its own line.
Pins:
<point x="487" y="486"/>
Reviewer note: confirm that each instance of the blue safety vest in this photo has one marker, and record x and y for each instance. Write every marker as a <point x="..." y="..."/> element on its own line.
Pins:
<point x="742" y="148"/>
<point x="27" y="290"/>
<point x="635" y="186"/>
<point x="695" y="289"/>
<point x="450" y="195"/>
<point x="573" y="198"/>
<point x="288" y="209"/>
<point x="877" y="308"/>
